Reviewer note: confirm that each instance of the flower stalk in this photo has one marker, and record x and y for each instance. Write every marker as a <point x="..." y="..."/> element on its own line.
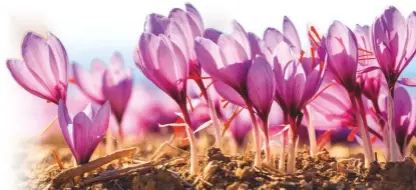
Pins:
<point x="256" y="135"/>
<point x="194" y="166"/>
<point x="212" y="113"/>
<point x="368" y="150"/>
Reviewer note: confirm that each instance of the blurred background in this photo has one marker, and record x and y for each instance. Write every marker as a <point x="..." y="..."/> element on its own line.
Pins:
<point x="95" y="29"/>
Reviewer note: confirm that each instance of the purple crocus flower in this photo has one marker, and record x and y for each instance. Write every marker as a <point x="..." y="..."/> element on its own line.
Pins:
<point x="394" y="40"/>
<point x="186" y="25"/>
<point x="298" y="76"/>
<point x="164" y="63"/>
<point x="370" y="82"/>
<point x="43" y="71"/>
<point x="402" y="116"/>
<point x="113" y="83"/>
<point x="85" y="130"/>
<point x="239" y="127"/>
<point x="242" y="74"/>
<point x="342" y="64"/>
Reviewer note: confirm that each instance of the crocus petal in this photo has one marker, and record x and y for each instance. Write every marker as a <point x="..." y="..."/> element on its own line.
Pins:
<point x="212" y="34"/>
<point x="231" y="50"/>
<point x="117" y="92"/>
<point x="408" y="81"/>
<point x="229" y="93"/>
<point x="65" y="124"/>
<point x="261" y="85"/>
<point x="24" y="78"/>
<point x="100" y="122"/>
<point x="272" y="37"/>
<point x="195" y="19"/>
<point x="342" y="53"/>
<point x="35" y="52"/>
<point x="291" y="34"/>
<point x="389" y="40"/>
<point x="163" y="62"/>
<point x="209" y="55"/>
<point x="156" y="24"/>
<point x="90" y="83"/>
<point x="410" y="49"/>
<point x="258" y="47"/>
<point x="61" y="58"/>
<point x="82" y="128"/>
<point x="240" y="35"/>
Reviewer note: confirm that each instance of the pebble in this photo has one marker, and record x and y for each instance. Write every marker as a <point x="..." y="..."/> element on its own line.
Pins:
<point x="244" y="173"/>
<point x="233" y="186"/>
<point x="210" y="169"/>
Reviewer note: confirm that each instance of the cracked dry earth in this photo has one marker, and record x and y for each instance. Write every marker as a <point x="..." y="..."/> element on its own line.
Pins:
<point x="169" y="170"/>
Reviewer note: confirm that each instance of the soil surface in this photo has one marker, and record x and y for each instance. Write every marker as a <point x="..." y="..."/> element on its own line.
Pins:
<point x="167" y="169"/>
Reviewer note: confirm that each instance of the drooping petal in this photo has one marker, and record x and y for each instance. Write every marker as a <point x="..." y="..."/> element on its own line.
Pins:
<point x="25" y="79"/>
<point x="261" y="85"/>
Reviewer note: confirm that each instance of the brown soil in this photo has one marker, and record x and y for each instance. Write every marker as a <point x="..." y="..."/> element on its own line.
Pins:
<point x="169" y="170"/>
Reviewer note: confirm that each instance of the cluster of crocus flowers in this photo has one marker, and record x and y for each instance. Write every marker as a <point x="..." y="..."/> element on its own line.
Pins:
<point x="335" y="83"/>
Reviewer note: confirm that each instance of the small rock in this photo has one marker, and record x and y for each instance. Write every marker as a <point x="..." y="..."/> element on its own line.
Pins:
<point x="210" y="169"/>
<point x="234" y="186"/>
<point x="241" y="163"/>
<point x="323" y="155"/>
<point x="243" y="186"/>
<point x="244" y="173"/>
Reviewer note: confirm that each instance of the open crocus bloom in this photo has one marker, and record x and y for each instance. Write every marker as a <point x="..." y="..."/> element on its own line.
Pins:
<point x="43" y="71"/>
<point x="83" y="132"/>
<point x="394" y="41"/>
<point x="113" y="84"/>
